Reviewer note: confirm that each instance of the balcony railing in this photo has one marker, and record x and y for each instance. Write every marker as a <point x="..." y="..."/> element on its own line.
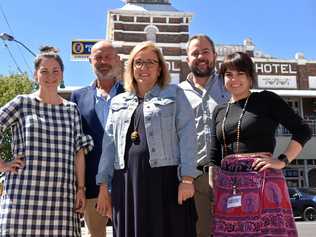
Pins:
<point x="282" y="131"/>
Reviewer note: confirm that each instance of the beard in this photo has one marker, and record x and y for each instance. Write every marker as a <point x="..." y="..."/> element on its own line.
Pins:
<point x="202" y="72"/>
<point x="112" y="72"/>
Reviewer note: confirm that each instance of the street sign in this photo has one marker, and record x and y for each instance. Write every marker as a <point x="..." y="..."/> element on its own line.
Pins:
<point x="81" y="49"/>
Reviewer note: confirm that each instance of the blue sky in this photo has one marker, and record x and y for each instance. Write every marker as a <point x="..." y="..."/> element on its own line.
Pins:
<point x="280" y="28"/>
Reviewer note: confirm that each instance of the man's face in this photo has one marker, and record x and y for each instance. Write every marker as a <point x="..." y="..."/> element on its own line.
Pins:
<point x="201" y="58"/>
<point x="105" y="62"/>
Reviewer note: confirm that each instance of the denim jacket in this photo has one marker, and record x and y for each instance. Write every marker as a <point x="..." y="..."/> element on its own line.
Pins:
<point x="170" y="131"/>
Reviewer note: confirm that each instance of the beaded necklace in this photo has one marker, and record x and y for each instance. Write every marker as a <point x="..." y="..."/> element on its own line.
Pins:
<point x="238" y="126"/>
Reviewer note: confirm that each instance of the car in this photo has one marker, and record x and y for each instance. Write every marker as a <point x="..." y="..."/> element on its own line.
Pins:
<point x="303" y="202"/>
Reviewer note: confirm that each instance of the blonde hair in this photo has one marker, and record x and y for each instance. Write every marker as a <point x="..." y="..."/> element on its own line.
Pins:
<point x="129" y="80"/>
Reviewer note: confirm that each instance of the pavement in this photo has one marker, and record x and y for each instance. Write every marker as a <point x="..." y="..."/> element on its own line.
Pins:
<point x="305" y="229"/>
<point x="85" y="232"/>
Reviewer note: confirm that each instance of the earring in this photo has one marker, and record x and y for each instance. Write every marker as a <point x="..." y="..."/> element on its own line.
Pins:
<point x="35" y="85"/>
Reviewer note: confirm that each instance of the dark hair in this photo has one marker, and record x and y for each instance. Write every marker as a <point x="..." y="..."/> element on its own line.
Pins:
<point x="199" y="37"/>
<point x="238" y="61"/>
<point x="48" y="52"/>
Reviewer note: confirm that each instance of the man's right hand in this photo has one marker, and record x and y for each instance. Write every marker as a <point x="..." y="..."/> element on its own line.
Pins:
<point x="104" y="204"/>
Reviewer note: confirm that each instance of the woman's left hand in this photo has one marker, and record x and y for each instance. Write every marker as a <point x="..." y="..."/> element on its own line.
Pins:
<point x="263" y="163"/>
<point x="185" y="191"/>
<point x="12" y="166"/>
<point x="80" y="201"/>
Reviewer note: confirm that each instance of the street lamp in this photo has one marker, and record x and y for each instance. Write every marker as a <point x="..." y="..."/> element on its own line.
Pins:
<point x="5" y="36"/>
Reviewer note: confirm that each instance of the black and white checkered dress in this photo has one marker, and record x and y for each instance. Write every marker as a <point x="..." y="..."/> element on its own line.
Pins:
<point x="39" y="200"/>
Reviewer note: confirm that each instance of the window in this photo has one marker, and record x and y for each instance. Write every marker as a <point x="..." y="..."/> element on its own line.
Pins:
<point x="151" y="32"/>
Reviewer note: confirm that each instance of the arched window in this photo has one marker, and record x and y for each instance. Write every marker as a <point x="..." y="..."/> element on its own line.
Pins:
<point x="151" y="32"/>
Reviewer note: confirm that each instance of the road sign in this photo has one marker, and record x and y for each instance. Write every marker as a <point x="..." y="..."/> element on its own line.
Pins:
<point x="81" y="49"/>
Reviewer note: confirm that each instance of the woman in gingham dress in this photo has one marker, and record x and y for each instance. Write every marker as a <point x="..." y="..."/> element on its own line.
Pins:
<point x="44" y="185"/>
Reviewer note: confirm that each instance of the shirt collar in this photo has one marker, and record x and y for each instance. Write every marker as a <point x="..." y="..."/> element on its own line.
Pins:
<point x="111" y="93"/>
<point x="210" y="82"/>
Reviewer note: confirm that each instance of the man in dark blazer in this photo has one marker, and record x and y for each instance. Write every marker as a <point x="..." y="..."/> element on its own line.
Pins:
<point x="94" y="103"/>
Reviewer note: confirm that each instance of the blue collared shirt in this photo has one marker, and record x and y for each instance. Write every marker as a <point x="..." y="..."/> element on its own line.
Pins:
<point x="102" y="104"/>
<point x="203" y="102"/>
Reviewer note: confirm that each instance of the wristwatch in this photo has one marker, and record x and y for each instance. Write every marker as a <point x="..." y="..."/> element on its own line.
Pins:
<point x="284" y="158"/>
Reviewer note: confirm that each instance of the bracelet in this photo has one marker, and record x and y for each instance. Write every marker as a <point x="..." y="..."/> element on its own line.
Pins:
<point x="186" y="181"/>
<point x="81" y="188"/>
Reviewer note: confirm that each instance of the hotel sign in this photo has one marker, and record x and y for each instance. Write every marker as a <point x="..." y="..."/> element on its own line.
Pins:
<point x="276" y="68"/>
<point x="277" y="82"/>
<point x="276" y="75"/>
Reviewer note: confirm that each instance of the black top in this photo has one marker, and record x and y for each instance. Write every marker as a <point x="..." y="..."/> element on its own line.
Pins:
<point x="138" y="147"/>
<point x="264" y="112"/>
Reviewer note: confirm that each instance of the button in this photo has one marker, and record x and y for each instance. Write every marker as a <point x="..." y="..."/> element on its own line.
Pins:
<point x="153" y="149"/>
<point x="151" y="134"/>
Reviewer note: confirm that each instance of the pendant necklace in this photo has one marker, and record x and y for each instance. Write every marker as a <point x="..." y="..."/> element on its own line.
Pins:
<point x="135" y="135"/>
<point x="225" y="152"/>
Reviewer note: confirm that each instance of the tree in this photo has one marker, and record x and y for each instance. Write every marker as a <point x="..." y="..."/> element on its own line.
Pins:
<point x="11" y="86"/>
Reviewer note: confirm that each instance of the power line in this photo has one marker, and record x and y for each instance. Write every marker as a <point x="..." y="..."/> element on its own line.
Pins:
<point x="5" y="18"/>
<point x="19" y="48"/>
<point x="12" y="57"/>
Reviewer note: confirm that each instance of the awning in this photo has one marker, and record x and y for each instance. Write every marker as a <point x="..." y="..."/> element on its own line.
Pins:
<point x="291" y="93"/>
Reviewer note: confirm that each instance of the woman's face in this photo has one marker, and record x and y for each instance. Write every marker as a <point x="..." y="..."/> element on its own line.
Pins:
<point x="146" y="69"/>
<point x="237" y="83"/>
<point x="48" y="74"/>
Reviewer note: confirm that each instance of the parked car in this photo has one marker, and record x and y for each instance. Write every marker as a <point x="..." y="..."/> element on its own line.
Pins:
<point x="303" y="202"/>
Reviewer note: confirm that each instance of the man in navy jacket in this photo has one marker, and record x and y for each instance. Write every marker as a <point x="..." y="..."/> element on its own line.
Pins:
<point x="94" y="103"/>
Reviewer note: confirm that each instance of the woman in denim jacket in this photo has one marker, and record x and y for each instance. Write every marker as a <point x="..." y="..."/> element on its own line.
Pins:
<point x="149" y="153"/>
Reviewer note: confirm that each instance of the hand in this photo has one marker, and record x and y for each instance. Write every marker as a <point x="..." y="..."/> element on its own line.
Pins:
<point x="80" y="201"/>
<point x="104" y="203"/>
<point x="12" y="166"/>
<point x="185" y="191"/>
<point x="266" y="162"/>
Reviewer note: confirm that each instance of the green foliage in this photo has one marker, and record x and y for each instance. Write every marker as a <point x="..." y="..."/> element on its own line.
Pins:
<point x="11" y="86"/>
<point x="5" y="146"/>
